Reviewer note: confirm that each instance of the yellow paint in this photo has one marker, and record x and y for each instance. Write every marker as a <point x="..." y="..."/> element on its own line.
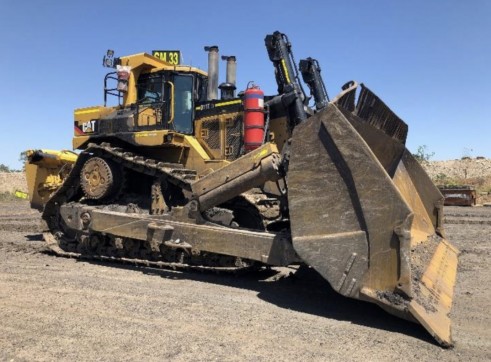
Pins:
<point x="224" y="122"/>
<point x="52" y="158"/>
<point x="172" y="102"/>
<point x="174" y="57"/>
<point x="78" y="141"/>
<point x="86" y="111"/>
<point x="197" y="147"/>
<point x="441" y="273"/>
<point x="223" y="104"/>
<point x="422" y="226"/>
<point x="238" y="101"/>
<point x="83" y="115"/>
<point x="285" y="70"/>
<point x="265" y="150"/>
<point x="155" y="64"/>
<point x="198" y="159"/>
<point x="143" y="62"/>
<point x="146" y="117"/>
<point x="279" y="131"/>
<point x="21" y="194"/>
<point x="154" y="138"/>
<point x="436" y="286"/>
<point x="43" y="178"/>
<point x="261" y="154"/>
<point x="145" y="134"/>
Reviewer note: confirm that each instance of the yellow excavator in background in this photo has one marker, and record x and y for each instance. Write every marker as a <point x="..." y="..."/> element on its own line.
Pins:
<point x="176" y="175"/>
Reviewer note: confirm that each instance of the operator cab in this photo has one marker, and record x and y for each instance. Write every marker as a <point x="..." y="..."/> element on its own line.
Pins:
<point x="155" y="93"/>
<point x="172" y="95"/>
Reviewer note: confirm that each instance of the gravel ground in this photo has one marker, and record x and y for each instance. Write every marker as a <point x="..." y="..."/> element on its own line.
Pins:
<point x="54" y="308"/>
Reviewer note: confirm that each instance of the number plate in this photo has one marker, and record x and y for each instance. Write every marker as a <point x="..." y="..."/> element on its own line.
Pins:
<point x="170" y="56"/>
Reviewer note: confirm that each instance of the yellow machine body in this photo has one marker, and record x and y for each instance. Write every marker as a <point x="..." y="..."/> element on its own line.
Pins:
<point x="334" y="188"/>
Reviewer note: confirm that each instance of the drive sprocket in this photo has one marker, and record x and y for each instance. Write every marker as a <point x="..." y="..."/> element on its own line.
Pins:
<point x="100" y="178"/>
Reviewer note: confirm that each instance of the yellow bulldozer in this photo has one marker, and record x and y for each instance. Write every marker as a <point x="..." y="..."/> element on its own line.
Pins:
<point x="176" y="175"/>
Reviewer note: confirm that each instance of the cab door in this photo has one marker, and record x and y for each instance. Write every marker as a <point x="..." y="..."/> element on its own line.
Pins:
<point x="181" y="114"/>
<point x="152" y="101"/>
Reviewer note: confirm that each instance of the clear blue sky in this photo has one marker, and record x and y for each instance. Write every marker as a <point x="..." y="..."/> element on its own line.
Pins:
<point x="428" y="60"/>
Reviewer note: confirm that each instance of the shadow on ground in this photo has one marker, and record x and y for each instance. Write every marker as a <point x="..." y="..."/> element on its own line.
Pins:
<point x="302" y="290"/>
<point x="34" y="237"/>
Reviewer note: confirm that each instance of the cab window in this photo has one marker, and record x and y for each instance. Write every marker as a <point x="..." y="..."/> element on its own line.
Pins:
<point x="183" y="103"/>
<point x="150" y="88"/>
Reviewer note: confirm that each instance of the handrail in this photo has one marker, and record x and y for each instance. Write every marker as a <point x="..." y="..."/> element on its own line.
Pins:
<point x="110" y="91"/>
<point x="171" y="119"/>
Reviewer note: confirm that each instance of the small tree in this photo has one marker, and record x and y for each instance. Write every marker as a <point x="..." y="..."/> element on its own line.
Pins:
<point x="4" y="168"/>
<point x="23" y="159"/>
<point x="23" y="156"/>
<point x="441" y="179"/>
<point x="422" y="154"/>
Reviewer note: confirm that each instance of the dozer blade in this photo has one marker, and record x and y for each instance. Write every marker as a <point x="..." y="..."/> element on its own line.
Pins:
<point x="366" y="216"/>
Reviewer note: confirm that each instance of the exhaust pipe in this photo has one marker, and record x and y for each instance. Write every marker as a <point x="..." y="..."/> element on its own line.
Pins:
<point x="212" y="72"/>
<point x="228" y="89"/>
<point x="231" y="68"/>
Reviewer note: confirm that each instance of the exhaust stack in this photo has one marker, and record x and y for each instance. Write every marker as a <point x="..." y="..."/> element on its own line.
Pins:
<point x="228" y="88"/>
<point x="231" y="68"/>
<point x="212" y="72"/>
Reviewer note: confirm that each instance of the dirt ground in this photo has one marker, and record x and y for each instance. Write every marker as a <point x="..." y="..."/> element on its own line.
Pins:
<point x="54" y="308"/>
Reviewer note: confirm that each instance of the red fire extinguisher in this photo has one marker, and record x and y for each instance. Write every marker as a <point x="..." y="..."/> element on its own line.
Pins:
<point x="253" y="117"/>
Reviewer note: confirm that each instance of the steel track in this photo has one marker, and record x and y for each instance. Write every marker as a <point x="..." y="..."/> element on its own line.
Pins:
<point x="173" y="173"/>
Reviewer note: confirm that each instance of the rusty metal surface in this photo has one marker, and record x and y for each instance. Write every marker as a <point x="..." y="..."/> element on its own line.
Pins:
<point x="374" y="111"/>
<point x="459" y="195"/>
<point x="371" y="109"/>
<point x="270" y="248"/>
<point x="251" y="170"/>
<point x="336" y="187"/>
<point x="370" y="226"/>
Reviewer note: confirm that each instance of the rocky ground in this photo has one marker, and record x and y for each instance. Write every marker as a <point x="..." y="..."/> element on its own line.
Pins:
<point x="54" y="308"/>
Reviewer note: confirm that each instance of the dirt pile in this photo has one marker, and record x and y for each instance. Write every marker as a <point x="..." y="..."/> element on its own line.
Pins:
<point x="475" y="172"/>
<point x="467" y="168"/>
<point x="12" y="181"/>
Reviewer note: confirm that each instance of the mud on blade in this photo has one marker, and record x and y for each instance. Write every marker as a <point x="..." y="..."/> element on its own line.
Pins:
<point x="366" y="216"/>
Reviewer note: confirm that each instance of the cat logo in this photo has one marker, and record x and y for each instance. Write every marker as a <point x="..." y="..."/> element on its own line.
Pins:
<point x="88" y="127"/>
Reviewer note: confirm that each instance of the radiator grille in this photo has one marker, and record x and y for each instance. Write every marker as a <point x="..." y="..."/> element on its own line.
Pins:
<point x="234" y="138"/>
<point x="211" y="129"/>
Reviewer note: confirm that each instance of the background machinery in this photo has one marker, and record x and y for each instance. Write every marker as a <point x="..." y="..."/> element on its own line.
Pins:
<point x="175" y="175"/>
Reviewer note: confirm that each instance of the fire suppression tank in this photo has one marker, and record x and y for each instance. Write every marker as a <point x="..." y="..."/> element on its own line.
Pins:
<point x="253" y="117"/>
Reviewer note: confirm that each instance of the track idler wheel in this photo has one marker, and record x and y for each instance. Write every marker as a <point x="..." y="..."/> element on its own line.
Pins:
<point x="100" y="178"/>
